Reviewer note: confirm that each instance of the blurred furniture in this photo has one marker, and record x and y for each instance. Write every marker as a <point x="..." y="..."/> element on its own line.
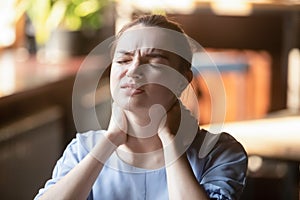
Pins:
<point x="275" y="29"/>
<point x="29" y="86"/>
<point x="35" y="121"/>
<point x="29" y="148"/>
<point x="36" y="115"/>
<point x="274" y="179"/>
<point x="245" y="77"/>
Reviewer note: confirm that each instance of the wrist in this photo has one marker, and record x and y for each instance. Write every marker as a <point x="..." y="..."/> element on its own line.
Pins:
<point x="116" y="138"/>
<point x="103" y="149"/>
<point x="166" y="137"/>
<point x="172" y="150"/>
<point x="173" y="147"/>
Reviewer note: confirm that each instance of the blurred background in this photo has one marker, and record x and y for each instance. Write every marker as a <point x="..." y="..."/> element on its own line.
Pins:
<point x="254" y="44"/>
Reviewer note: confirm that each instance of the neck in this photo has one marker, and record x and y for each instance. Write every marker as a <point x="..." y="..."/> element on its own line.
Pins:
<point x="144" y="123"/>
<point x="138" y="117"/>
<point x="144" y="153"/>
<point x="143" y="147"/>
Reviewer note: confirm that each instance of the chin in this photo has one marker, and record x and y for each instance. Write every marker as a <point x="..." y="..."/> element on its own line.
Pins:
<point x="131" y="105"/>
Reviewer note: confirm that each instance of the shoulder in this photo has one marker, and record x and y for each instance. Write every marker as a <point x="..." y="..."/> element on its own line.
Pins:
<point x="228" y="142"/>
<point x="80" y="146"/>
<point x="220" y="163"/>
<point x="209" y="144"/>
<point x="210" y="153"/>
<point x="86" y="140"/>
<point x="76" y="150"/>
<point x="229" y="147"/>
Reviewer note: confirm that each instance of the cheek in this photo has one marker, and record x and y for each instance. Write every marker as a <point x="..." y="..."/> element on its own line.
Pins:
<point x="166" y="81"/>
<point x="115" y="76"/>
<point x="163" y="96"/>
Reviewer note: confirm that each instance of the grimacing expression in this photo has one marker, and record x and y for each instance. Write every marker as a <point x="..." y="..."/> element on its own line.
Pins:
<point x="143" y="72"/>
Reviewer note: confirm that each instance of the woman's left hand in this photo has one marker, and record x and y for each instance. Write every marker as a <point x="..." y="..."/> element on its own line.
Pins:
<point x="117" y="129"/>
<point x="170" y="123"/>
<point x="177" y="119"/>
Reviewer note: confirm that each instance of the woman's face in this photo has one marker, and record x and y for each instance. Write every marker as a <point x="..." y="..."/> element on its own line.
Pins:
<point x="143" y="75"/>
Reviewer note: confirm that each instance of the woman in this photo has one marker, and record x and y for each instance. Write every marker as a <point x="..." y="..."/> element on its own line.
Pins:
<point x="151" y="149"/>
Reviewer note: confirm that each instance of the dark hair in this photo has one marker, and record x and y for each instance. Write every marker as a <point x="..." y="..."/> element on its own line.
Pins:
<point x="163" y="22"/>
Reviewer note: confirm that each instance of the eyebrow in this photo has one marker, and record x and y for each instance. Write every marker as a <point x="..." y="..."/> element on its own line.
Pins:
<point x="161" y="54"/>
<point x="152" y="51"/>
<point x="127" y="53"/>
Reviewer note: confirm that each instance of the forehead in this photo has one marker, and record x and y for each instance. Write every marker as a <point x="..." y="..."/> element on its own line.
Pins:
<point x="143" y="37"/>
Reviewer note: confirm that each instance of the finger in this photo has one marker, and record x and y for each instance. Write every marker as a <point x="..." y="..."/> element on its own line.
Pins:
<point x="156" y="113"/>
<point x="119" y="117"/>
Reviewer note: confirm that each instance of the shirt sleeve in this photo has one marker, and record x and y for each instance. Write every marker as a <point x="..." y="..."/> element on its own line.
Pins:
<point x="72" y="155"/>
<point x="224" y="171"/>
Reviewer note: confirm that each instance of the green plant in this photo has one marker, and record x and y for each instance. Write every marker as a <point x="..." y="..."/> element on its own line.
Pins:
<point x="73" y="15"/>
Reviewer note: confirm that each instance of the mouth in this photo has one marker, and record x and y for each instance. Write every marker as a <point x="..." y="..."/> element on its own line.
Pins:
<point x="132" y="89"/>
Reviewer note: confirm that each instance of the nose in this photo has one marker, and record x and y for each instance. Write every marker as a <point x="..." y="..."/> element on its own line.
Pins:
<point x="134" y="70"/>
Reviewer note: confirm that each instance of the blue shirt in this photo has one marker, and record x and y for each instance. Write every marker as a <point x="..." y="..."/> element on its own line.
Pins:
<point x="221" y="171"/>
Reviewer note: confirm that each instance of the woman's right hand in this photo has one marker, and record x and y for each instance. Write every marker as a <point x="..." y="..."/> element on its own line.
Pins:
<point x="117" y="129"/>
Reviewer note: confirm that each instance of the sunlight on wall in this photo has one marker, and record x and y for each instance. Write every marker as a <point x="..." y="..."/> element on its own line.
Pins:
<point x="7" y="23"/>
<point x="7" y="74"/>
<point x="186" y="6"/>
<point x="125" y="8"/>
<point x="293" y="96"/>
<point x="273" y="137"/>
<point x="232" y="7"/>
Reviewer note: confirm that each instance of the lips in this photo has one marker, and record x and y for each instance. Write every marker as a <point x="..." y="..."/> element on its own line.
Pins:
<point x="129" y="85"/>
<point x="132" y="89"/>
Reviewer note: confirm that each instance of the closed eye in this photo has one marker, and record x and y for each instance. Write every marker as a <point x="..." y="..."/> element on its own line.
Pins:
<point x="154" y="55"/>
<point x="123" y="62"/>
<point x="157" y="59"/>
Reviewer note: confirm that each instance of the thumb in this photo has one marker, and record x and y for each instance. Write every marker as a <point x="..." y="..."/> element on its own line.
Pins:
<point x="118" y="118"/>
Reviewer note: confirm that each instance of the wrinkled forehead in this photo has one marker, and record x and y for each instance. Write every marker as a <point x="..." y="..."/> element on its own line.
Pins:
<point x="142" y="37"/>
